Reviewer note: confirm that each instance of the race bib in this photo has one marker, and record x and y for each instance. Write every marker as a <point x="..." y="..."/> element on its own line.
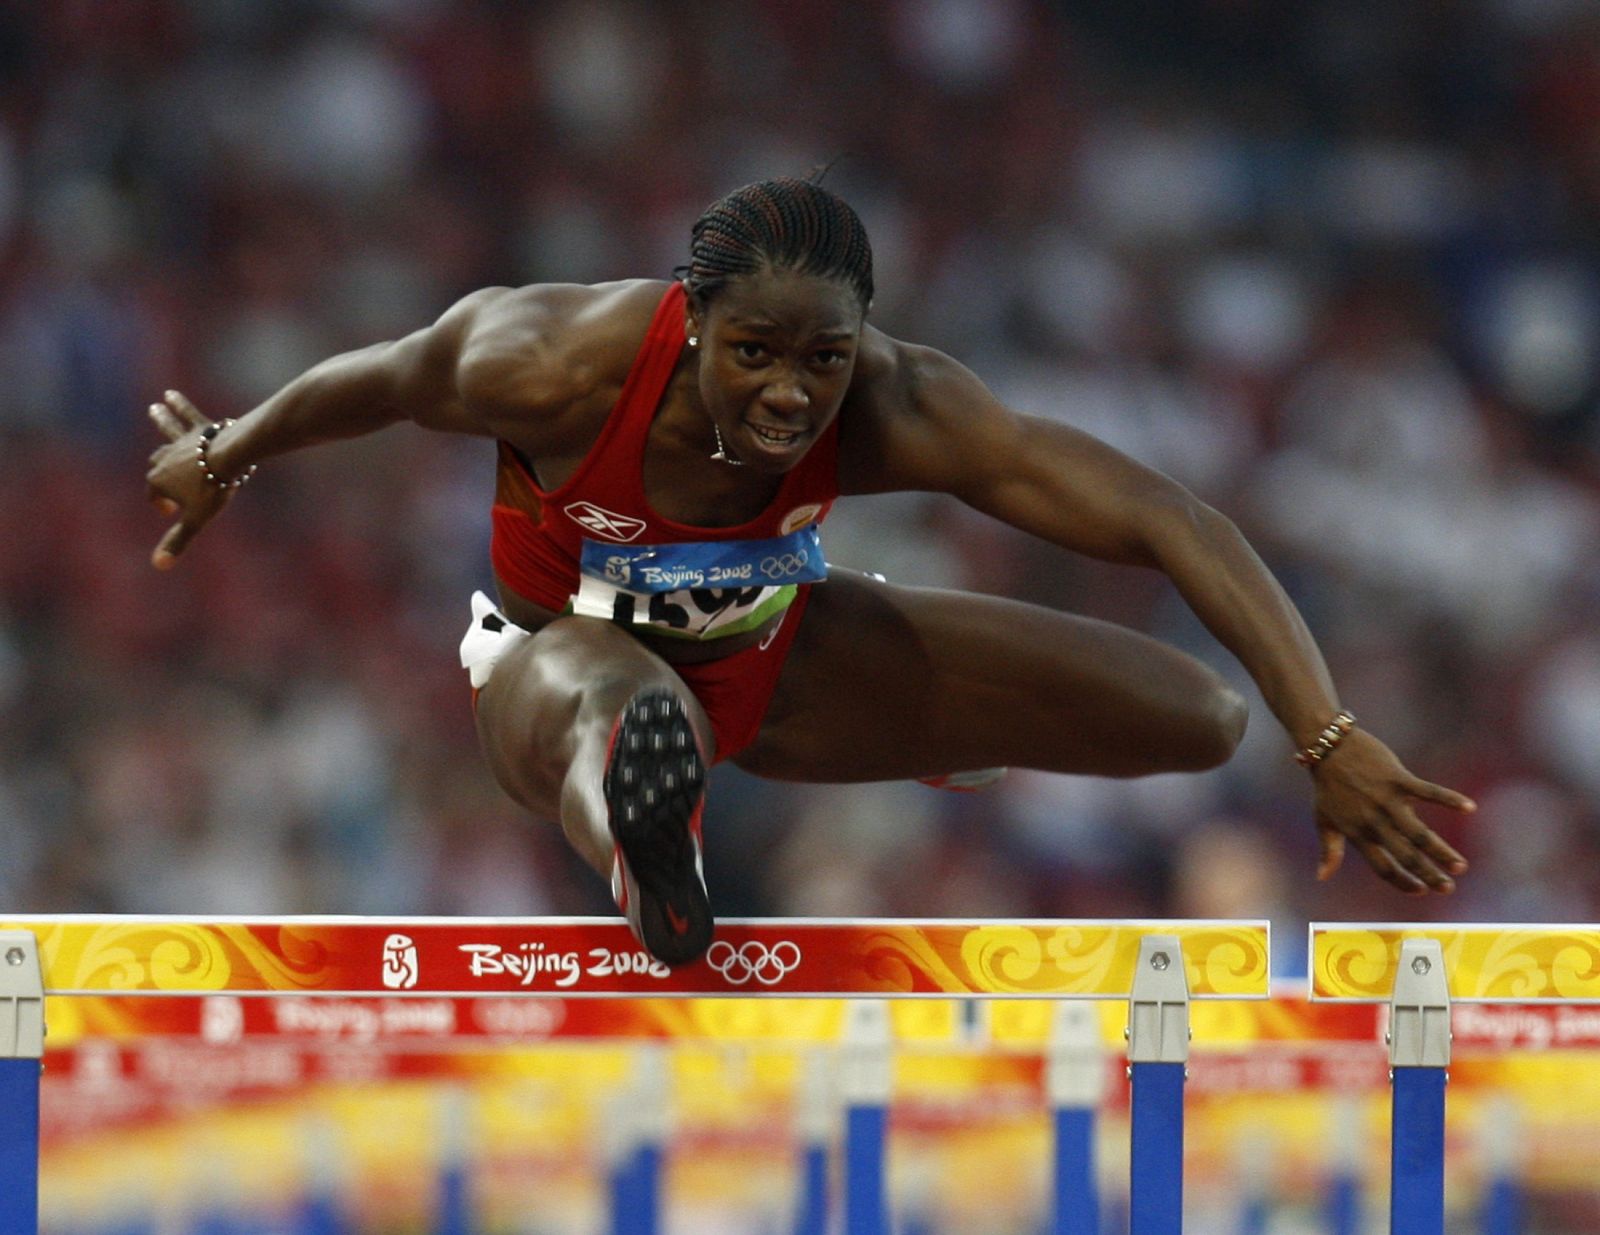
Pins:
<point x="699" y="590"/>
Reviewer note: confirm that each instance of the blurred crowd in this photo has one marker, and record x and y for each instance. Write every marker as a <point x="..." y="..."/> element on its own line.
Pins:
<point x="1333" y="265"/>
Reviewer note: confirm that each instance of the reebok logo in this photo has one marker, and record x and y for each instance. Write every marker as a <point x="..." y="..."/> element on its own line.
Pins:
<point x="603" y="522"/>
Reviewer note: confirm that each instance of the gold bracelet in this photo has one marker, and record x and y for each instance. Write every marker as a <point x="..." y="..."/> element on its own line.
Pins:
<point x="1338" y="729"/>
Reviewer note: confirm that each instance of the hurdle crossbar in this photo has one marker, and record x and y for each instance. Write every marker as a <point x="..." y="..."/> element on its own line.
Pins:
<point x="1355" y="962"/>
<point x="584" y="957"/>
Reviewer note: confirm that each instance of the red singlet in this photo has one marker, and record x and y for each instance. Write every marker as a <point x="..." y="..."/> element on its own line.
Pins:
<point x="538" y="534"/>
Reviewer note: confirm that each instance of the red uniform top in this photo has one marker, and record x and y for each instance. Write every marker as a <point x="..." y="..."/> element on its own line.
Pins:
<point x="539" y="534"/>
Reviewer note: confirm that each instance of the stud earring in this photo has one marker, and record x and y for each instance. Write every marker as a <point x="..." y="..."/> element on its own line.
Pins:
<point x="694" y="340"/>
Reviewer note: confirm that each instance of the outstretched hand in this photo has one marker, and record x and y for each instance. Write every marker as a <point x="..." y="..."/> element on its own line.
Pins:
<point x="174" y="484"/>
<point x="1365" y="796"/>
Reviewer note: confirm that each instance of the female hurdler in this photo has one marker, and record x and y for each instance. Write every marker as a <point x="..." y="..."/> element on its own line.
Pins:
<point x="667" y="454"/>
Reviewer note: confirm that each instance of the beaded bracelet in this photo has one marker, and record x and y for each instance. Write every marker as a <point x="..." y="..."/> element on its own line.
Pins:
<point x="203" y="461"/>
<point x="1338" y="729"/>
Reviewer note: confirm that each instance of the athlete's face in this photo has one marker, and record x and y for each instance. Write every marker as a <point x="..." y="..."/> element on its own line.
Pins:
<point x="777" y="351"/>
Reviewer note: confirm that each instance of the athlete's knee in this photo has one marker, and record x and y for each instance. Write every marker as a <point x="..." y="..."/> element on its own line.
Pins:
<point x="1219" y="724"/>
<point x="589" y="644"/>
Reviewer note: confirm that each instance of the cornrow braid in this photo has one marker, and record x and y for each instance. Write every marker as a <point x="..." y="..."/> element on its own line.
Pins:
<point x="785" y="224"/>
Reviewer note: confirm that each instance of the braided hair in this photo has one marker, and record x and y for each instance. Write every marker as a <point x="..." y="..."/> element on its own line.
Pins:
<point x="784" y="224"/>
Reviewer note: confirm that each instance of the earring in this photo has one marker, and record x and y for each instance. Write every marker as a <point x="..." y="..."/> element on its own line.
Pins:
<point x="694" y="340"/>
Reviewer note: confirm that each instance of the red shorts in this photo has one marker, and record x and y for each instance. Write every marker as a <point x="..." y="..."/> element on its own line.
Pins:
<point x="737" y="690"/>
<point x="734" y="690"/>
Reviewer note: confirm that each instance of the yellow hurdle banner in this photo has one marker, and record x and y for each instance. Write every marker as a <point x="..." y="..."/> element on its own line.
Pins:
<point x="581" y="957"/>
<point x="1522" y="964"/>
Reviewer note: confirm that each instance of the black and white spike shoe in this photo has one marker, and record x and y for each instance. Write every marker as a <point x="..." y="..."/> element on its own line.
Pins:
<point x="654" y="782"/>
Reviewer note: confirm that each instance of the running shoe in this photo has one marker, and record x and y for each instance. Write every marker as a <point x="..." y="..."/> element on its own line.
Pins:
<point x="653" y="786"/>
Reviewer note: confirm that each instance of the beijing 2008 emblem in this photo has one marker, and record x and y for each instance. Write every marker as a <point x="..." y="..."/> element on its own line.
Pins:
<point x="399" y="963"/>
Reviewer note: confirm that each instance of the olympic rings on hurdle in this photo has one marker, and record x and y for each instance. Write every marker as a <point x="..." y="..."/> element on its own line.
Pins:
<point x="754" y="959"/>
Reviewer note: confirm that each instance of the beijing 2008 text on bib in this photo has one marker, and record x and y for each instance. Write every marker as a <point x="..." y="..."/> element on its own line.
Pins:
<point x="702" y="590"/>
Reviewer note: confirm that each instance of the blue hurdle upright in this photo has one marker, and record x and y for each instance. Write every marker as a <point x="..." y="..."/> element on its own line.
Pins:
<point x="21" y="1063"/>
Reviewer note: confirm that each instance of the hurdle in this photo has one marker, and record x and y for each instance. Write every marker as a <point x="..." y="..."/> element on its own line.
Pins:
<point x="1421" y="970"/>
<point x="1156" y="966"/>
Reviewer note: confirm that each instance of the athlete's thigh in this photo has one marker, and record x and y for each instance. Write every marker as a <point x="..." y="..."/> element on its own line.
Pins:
<point x="556" y="695"/>
<point x="887" y="682"/>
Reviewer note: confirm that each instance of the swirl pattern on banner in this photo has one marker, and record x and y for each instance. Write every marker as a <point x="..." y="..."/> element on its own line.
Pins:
<point x="1057" y="959"/>
<point x="181" y="956"/>
<point x="1089" y="959"/>
<point x="1073" y="960"/>
<point x="1513" y="964"/>
<point x="1226" y="960"/>
<point x="905" y="961"/>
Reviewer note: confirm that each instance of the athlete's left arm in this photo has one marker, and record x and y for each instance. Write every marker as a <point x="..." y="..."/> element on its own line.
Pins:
<point x="932" y="425"/>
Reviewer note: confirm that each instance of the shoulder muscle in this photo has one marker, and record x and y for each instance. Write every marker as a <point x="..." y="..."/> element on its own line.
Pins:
<point x="924" y="421"/>
<point x="529" y="355"/>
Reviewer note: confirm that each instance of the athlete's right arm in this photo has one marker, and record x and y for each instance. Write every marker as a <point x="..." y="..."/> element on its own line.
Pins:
<point x="419" y="378"/>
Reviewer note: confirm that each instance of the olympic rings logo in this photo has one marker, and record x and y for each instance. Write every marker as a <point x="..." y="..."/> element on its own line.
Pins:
<point x="754" y="959"/>
<point x="782" y="565"/>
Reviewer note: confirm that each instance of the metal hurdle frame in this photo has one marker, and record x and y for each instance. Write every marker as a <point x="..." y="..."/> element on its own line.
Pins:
<point x="865" y="961"/>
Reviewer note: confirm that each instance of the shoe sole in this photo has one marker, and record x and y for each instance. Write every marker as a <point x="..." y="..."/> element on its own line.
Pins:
<point x="653" y="781"/>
